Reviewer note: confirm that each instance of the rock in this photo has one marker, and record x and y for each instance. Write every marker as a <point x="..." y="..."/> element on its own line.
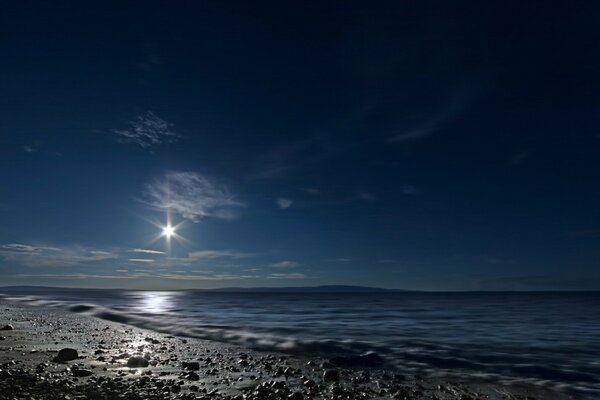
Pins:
<point x="296" y="396"/>
<point x="7" y="327"/>
<point x="137" y="362"/>
<point x="66" y="354"/>
<point x="192" y="366"/>
<point x="337" y="391"/>
<point x="81" y="372"/>
<point x="192" y="376"/>
<point x="369" y="359"/>
<point x="331" y="375"/>
<point x="309" y="383"/>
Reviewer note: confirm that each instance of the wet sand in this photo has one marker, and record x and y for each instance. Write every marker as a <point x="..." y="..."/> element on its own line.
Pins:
<point x="116" y="361"/>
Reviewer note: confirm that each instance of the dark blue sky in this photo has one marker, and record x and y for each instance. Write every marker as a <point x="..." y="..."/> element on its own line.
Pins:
<point x="418" y="145"/>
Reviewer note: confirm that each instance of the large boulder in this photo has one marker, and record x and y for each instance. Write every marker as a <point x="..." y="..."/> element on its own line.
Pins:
<point x="7" y="327"/>
<point x="81" y="373"/>
<point x="137" y="362"/>
<point x="66" y="354"/>
<point x="331" y="375"/>
<point x="192" y="366"/>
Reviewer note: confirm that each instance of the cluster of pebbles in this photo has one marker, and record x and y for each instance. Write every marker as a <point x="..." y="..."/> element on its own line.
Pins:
<point x="64" y="356"/>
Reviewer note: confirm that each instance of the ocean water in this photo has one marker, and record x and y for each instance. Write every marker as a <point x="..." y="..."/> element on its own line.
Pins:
<point x="545" y="339"/>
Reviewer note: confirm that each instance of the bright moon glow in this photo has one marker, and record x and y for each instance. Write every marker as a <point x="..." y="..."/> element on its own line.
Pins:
<point x="168" y="231"/>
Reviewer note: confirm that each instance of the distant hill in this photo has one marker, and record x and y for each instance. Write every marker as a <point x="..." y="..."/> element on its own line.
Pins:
<point x="308" y="289"/>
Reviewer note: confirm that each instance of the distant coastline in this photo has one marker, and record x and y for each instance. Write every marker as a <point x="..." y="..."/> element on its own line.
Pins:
<point x="290" y="289"/>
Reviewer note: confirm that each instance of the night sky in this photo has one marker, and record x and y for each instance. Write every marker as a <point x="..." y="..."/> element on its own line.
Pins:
<point x="405" y="144"/>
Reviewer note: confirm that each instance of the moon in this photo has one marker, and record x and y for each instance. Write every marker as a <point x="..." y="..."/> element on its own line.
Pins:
<point x="168" y="231"/>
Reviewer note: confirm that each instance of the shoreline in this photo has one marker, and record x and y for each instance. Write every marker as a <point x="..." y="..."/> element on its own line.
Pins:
<point x="190" y="368"/>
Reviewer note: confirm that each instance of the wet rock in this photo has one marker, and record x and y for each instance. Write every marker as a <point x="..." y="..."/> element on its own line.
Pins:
<point x="81" y="372"/>
<point x="296" y="396"/>
<point x="331" y="375"/>
<point x="66" y="354"/>
<point x="309" y="383"/>
<point x="192" y="376"/>
<point x="337" y="391"/>
<point x="192" y="366"/>
<point x="7" y="327"/>
<point x="137" y="362"/>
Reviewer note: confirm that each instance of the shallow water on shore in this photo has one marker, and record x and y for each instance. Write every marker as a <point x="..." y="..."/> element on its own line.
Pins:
<point x="548" y="339"/>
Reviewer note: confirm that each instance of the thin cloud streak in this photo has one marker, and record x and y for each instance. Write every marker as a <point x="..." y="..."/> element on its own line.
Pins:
<point x="146" y="251"/>
<point x="292" y="275"/>
<point x="46" y="256"/>
<point x="285" y="264"/>
<point x="211" y="254"/>
<point x="436" y="122"/>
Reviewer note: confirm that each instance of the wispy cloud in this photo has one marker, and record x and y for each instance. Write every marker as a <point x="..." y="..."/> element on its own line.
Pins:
<point x="141" y="260"/>
<point x="285" y="264"/>
<point x="192" y="196"/>
<point x="518" y="158"/>
<point x="147" y="130"/>
<point x="46" y="256"/>
<point x="409" y="190"/>
<point x="146" y="251"/>
<point x="284" y="203"/>
<point x="313" y="191"/>
<point x="212" y="254"/>
<point x="291" y="275"/>
<point x="422" y="132"/>
<point x="366" y="196"/>
<point x="75" y="276"/>
<point x="206" y="277"/>
<point x="434" y="122"/>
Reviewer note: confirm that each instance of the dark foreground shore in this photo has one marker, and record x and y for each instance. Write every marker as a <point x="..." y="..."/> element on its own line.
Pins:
<point x="56" y="355"/>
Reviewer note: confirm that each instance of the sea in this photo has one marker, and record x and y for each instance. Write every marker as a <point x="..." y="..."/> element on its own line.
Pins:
<point x="547" y="339"/>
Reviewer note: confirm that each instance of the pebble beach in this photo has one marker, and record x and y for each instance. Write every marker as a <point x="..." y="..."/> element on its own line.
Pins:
<point x="52" y="354"/>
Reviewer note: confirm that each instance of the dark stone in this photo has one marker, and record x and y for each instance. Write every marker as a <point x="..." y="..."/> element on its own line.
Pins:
<point x="7" y="327"/>
<point x="82" y="372"/>
<point x="296" y="396"/>
<point x="337" y="391"/>
<point x="137" y="362"/>
<point x="192" y="376"/>
<point x="369" y="359"/>
<point x="192" y="366"/>
<point x="331" y="375"/>
<point x="66" y="354"/>
<point x="309" y="383"/>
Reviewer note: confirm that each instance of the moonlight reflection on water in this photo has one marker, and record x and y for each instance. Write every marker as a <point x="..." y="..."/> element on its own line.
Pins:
<point x="156" y="302"/>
